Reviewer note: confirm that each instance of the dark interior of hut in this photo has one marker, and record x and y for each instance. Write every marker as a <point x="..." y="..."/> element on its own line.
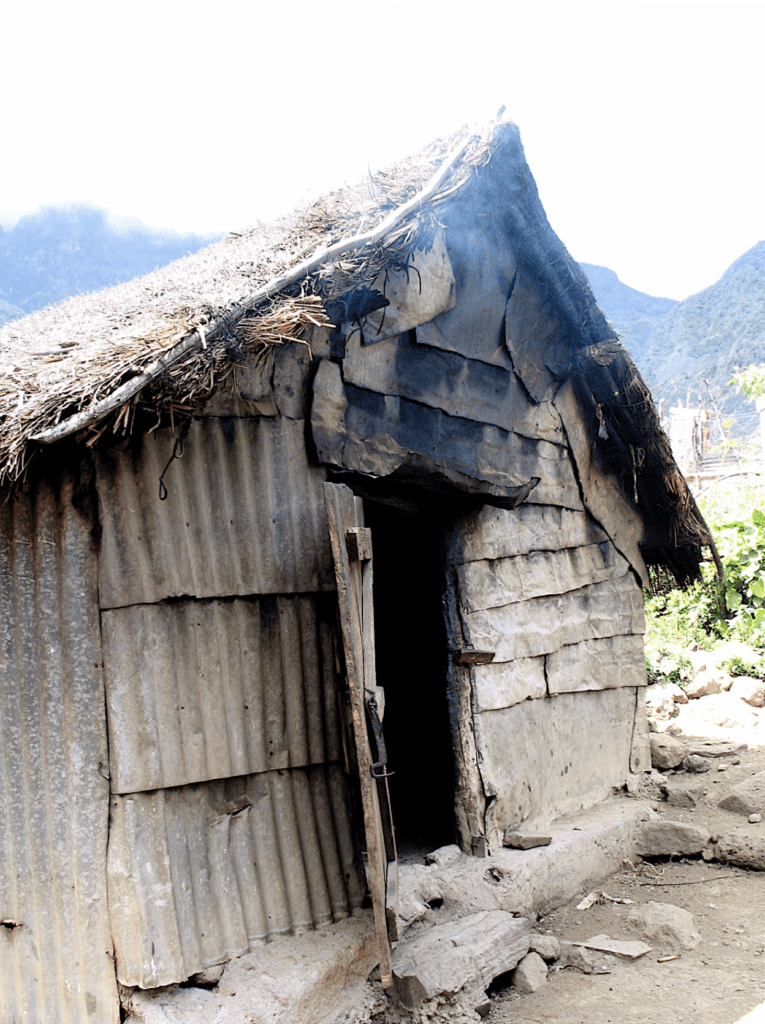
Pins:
<point x="411" y="652"/>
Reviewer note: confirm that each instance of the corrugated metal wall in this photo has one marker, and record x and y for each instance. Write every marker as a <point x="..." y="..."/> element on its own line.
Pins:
<point x="56" y="954"/>
<point x="198" y="874"/>
<point x="209" y="689"/>
<point x="244" y="515"/>
<point x="230" y="817"/>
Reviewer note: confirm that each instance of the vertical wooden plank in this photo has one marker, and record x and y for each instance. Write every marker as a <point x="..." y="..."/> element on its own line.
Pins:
<point x="344" y="512"/>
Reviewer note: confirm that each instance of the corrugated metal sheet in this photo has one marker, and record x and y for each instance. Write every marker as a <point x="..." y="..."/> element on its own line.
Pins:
<point x="244" y="515"/>
<point x="55" y="963"/>
<point x="210" y="689"/>
<point x="200" y="873"/>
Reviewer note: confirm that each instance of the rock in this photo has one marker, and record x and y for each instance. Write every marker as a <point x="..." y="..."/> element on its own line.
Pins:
<point x="720" y="710"/>
<point x="662" y="838"/>
<point x="748" y="797"/>
<point x="445" y="856"/>
<point x="707" y="749"/>
<point x="517" y="841"/>
<point x="664" y="924"/>
<point x="679" y="696"/>
<point x="696" y="764"/>
<point x="710" y="681"/>
<point x="755" y="819"/>
<point x="683" y="792"/>
<point x="530" y="974"/>
<point x="464" y="954"/>
<point x="746" y="849"/>
<point x="660" y="703"/>
<point x="209" y="976"/>
<point x="722" y="767"/>
<point x="666" y="751"/>
<point x="548" y="946"/>
<point x="750" y="690"/>
<point x="574" y="955"/>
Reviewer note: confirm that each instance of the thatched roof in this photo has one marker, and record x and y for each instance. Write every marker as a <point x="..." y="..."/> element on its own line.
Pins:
<point x="166" y="340"/>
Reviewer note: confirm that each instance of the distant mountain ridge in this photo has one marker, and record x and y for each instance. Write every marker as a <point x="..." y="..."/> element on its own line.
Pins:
<point x="634" y="314"/>
<point x="709" y="337"/>
<point x="689" y="350"/>
<point x="62" y="251"/>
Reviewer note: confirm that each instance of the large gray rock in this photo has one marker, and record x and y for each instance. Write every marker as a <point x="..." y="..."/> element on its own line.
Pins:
<point x="530" y="974"/>
<point x="664" y="924"/>
<point x="746" y="849"/>
<point x="465" y="954"/>
<point x="548" y="946"/>
<point x="748" y="797"/>
<point x="663" y="838"/>
<point x="666" y="751"/>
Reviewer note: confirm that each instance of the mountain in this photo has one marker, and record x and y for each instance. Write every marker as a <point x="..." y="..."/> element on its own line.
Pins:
<point x="61" y="251"/>
<point x="634" y="314"/>
<point x="700" y="343"/>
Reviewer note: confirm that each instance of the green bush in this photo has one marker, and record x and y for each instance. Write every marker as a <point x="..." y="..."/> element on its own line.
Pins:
<point x="709" y="611"/>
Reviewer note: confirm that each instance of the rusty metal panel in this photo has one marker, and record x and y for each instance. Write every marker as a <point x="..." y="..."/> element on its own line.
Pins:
<point x="55" y="946"/>
<point x="209" y="689"/>
<point x="244" y="514"/>
<point x="200" y="873"/>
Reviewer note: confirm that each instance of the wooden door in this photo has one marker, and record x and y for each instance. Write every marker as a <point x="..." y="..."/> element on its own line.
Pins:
<point x="352" y="553"/>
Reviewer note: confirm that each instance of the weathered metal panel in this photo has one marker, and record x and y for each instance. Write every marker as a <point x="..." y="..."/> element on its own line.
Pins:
<point x="484" y="270"/>
<point x="505" y="533"/>
<point x="502" y="684"/>
<point x="602" y="664"/>
<point x="453" y="383"/>
<point x="55" y="955"/>
<point x="542" y="625"/>
<point x="597" y="665"/>
<point x="209" y="689"/>
<point x="200" y="873"/>
<point x="601" y="490"/>
<point x="566" y="752"/>
<point x="367" y="432"/>
<point x="493" y="583"/>
<point x="244" y="514"/>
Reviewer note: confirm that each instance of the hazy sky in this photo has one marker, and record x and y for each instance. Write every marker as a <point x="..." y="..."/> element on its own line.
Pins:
<point x="642" y="122"/>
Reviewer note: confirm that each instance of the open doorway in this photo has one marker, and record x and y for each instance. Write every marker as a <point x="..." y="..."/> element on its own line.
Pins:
<point x="411" y="652"/>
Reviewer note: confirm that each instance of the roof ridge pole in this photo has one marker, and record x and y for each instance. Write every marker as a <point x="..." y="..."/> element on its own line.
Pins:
<point x="125" y="392"/>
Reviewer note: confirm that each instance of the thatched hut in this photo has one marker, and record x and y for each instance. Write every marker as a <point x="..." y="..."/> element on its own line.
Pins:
<point x="197" y="468"/>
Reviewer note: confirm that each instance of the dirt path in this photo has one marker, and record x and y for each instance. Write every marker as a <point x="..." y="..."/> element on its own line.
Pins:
<point x="718" y="982"/>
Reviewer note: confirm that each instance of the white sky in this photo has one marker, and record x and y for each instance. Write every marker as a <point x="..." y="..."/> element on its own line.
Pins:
<point x="642" y="122"/>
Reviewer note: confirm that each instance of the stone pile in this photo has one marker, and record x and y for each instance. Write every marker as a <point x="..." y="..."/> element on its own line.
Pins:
<point x="711" y="701"/>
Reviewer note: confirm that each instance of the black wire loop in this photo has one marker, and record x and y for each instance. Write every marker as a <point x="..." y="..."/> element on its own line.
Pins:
<point x="177" y="454"/>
